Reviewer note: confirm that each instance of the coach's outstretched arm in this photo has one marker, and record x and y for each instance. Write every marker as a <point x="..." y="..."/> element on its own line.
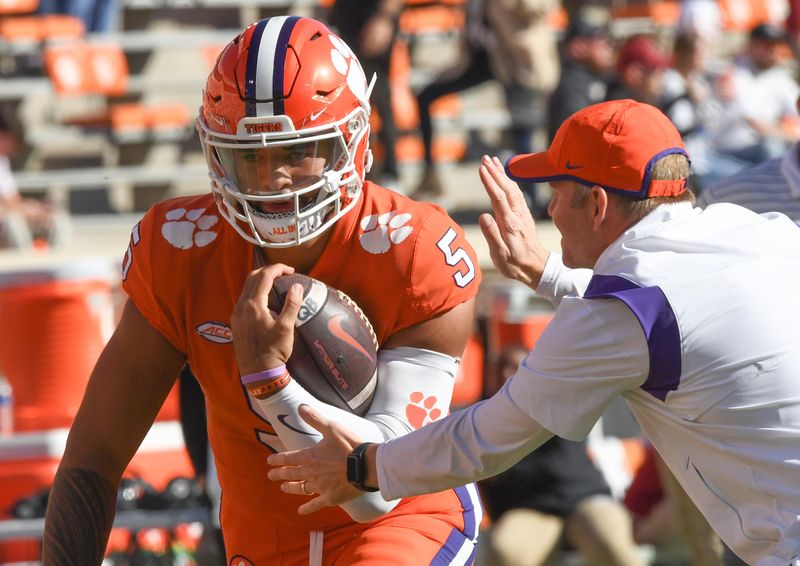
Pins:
<point x="132" y="378"/>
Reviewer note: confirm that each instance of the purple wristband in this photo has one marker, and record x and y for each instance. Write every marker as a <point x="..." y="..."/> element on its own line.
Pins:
<point x="262" y="375"/>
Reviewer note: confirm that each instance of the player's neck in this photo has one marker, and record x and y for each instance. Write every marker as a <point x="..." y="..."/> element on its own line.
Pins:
<point x="303" y="258"/>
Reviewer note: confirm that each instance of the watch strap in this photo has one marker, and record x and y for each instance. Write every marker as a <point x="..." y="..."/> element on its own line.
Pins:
<point x="357" y="469"/>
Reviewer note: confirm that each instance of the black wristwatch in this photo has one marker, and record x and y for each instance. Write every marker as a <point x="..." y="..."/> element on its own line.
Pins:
<point x="357" y="467"/>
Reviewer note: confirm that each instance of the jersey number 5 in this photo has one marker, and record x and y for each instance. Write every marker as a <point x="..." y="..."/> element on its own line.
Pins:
<point x="454" y="257"/>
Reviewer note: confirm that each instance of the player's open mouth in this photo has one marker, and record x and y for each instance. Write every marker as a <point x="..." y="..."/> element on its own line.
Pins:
<point x="280" y="208"/>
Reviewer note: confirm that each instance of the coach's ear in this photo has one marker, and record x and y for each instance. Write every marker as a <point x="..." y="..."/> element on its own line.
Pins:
<point x="598" y="207"/>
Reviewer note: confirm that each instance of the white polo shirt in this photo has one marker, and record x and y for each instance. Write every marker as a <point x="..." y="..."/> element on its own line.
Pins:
<point x="693" y="317"/>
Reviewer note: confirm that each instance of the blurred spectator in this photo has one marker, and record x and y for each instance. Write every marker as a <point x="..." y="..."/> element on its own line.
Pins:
<point x="793" y="27"/>
<point x="24" y="222"/>
<point x="586" y="59"/>
<point x="701" y="18"/>
<point x="770" y="186"/>
<point x="688" y="98"/>
<point x="507" y="40"/>
<point x="640" y="71"/>
<point x="99" y="16"/>
<point x="552" y="494"/>
<point x="758" y="117"/>
<point x="665" y="517"/>
<point x="370" y="29"/>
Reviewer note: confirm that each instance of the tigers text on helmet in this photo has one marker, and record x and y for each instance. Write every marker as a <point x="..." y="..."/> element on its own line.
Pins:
<point x="285" y="130"/>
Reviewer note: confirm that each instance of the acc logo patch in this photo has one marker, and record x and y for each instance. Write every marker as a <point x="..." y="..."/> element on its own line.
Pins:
<point x="240" y="561"/>
<point x="215" y="332"/>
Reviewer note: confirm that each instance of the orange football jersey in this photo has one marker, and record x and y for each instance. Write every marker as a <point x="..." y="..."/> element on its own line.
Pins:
<point x="402" y="261"/>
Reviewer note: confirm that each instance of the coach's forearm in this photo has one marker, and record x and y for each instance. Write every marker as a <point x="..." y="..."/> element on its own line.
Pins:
<point x="80" y="514"/>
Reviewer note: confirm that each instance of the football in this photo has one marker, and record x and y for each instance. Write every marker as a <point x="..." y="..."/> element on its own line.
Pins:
<point x="335" y="355"/>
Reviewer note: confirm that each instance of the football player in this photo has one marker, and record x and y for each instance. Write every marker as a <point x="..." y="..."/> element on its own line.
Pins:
<point x="284" y="125"/>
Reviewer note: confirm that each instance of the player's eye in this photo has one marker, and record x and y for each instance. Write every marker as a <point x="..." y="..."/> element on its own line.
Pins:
<point x="299" y="152"/>
<point x="249" y="156"/>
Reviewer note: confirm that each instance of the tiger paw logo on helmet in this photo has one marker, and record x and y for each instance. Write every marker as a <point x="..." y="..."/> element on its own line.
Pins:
<point x="383" y="230"/>
<point x="185" y="229"/>
<point x="346" y="63"/>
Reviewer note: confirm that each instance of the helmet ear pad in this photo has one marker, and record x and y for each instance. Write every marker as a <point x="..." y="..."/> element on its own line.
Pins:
<point x="281" y="79"/>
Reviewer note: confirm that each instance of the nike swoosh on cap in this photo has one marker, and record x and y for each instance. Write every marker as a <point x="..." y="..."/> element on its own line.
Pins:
<point x="571" y="166"/>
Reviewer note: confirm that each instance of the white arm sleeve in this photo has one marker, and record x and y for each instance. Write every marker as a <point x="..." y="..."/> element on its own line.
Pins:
<point x="559" y="281"/>
<point x="474" y="443"/>
<point x="404" y="375"/>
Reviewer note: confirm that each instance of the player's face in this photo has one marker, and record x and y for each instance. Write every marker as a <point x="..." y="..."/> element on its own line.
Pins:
<point x="279" y="169"/>
<point x="578" y="240"/>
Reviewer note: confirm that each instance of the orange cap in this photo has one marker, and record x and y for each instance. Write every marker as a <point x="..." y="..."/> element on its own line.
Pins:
<point x="612" y="144"/>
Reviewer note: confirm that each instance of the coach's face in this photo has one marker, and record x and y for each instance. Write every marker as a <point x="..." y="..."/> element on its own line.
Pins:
<point x="577" y="221"/>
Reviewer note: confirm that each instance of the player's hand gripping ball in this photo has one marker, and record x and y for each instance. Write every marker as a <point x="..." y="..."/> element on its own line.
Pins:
<point x="335" y="354"/>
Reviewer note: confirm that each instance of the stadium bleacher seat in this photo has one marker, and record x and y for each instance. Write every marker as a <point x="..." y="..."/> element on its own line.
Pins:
<point x="41" y="28"/>
<point x="18" y="6"/>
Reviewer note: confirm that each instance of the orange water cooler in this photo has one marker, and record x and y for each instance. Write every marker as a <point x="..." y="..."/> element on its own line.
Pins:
<point x="55" y="322"/>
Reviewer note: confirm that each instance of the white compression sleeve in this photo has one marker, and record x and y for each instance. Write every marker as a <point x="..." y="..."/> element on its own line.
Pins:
<point x="281" y="411"/>
<point x="404" y="375"/>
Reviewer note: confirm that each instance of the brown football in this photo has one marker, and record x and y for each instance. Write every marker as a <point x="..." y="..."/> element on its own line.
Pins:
<point x="335" y="355"/>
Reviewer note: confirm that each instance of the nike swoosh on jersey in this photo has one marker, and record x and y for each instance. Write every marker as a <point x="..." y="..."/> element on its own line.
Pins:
<point x="284" y="419"/>
<point x="335" y="327"/>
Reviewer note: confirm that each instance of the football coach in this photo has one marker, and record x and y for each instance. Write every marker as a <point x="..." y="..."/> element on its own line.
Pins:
<point x="691" y="315"/>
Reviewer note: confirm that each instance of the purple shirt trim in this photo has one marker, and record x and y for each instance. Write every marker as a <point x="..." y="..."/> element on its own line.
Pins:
<point x="655" y="314"/>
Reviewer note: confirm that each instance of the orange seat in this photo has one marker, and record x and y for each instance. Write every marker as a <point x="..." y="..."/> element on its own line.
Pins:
<point x="81" y="68"/>
<point x="662" y="12"/>
<point x="109" y="69"/>
<point x="41" y="28"/>
<point x="168" y="116"/>
<point x="743" y="15"/>
<point x="437" y="18"/>
<point x="18" y="6"/>
<point x="409" y="148"/>
<point x="127" y="118"/>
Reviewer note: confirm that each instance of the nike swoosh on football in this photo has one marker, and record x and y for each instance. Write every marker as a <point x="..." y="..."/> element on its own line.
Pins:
<point x="285" y="422"/>
<point x="571" y="166"/>
<point x="335" y="327"/>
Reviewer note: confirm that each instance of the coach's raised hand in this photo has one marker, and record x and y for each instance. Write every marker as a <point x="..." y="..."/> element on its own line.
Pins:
<point x="514" y="244"/>
<point x="321" y="469"/>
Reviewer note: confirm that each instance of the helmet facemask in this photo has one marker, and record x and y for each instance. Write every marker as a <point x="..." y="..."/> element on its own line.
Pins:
<point x="249" y="177"/>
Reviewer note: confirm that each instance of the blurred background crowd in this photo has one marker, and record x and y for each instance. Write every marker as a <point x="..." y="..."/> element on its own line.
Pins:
<point x="97" y="103"/>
